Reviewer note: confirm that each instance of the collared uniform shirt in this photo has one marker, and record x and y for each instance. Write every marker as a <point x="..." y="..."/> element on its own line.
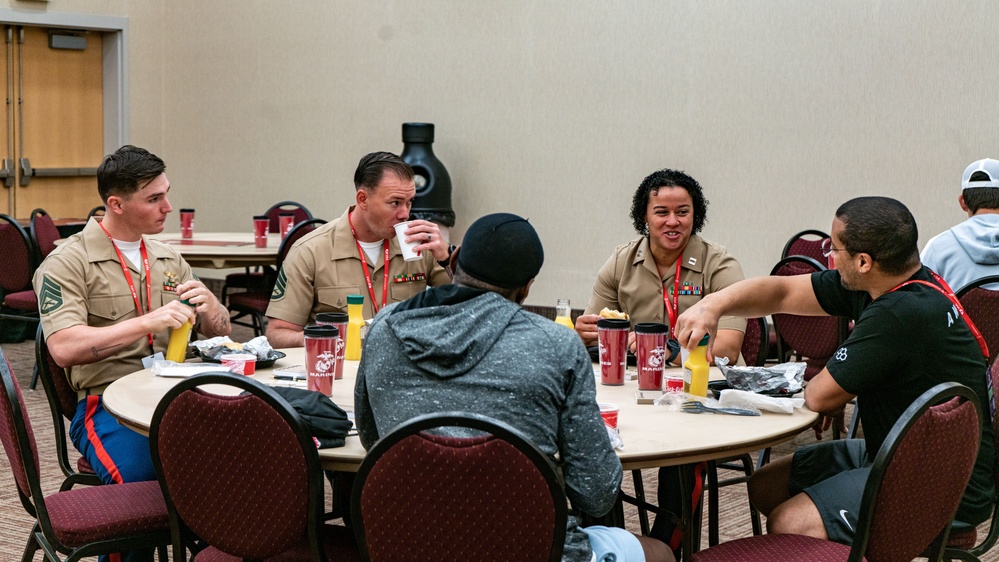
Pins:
<point x="629" y="281"/>
<point x="323" y="268"/>
<point x="81" y="282"/>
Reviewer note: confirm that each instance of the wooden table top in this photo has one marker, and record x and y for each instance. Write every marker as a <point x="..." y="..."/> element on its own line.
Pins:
<point x="222" y="250"/>
<point x="653" y="436"/>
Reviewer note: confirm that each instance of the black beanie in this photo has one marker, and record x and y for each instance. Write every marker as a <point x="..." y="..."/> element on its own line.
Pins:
<point x="501" y="249"/>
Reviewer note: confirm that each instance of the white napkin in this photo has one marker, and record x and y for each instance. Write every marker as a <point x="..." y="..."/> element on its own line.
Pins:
<point x="741" y="399"/>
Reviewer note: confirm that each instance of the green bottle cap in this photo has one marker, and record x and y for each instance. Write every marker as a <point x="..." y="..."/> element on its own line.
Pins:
<point x="704" y="340"/>
<point x="188" y="303"/>
<point x="355" y="299"/>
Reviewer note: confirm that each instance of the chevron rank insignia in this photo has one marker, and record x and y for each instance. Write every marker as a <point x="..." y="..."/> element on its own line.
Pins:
<point x="279" y="286"/>
<point x="51" y="296"/>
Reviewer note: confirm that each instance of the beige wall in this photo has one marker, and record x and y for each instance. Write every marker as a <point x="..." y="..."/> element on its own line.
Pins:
<point x="557" y="110"/>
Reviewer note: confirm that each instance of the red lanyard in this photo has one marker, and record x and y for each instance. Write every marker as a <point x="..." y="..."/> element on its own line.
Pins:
<point x="673" y="309"/>
<point x="128" y="275"/>
<point x="367" y="274"/>
<point x="957" y="304"/>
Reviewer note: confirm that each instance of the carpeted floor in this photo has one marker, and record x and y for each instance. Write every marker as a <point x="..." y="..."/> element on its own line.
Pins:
<point x="15" y="523"/>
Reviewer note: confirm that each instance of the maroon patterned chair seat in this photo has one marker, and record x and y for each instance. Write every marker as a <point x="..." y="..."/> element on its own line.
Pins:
<point x="62" y="404"/>
<point x="982" y="305"/>
<point x="915" y="485"/>
<point x="962" y="544"/>
<point x="253" y="303"/>
<point x="806" y="243"/>
<point x="423" y="496"/>
<point x="84" y="521"/>
<point x="22" y="300"/>
<point x="814" y="338"/>
<point x="241" y="473"/>
<point x="19" y="259"/>
<point x="43" y="233"/>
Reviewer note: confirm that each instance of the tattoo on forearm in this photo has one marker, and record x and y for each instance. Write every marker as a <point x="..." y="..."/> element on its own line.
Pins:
<point x="221" y="321"/>
<point x="99" y="352"/>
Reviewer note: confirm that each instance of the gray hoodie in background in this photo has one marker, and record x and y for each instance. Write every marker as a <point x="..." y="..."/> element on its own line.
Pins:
<point x="966" y="252"/>
<point x="488" y="355"/>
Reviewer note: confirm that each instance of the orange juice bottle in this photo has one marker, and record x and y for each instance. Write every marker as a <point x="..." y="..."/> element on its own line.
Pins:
<point x="355" y="323"/>
<point x="695" y="370"/>
<point x="563" y="314"/>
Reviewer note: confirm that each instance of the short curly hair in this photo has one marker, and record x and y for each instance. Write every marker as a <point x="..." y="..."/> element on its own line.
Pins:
<point x="667" y="178"/>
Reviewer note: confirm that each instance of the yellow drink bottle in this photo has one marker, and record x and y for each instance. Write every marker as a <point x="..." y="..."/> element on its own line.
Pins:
<point x="179" y="338"/>
<point x="695" y="370"/>
<point x="563" y="314"/>
<point x="355" y="322"/>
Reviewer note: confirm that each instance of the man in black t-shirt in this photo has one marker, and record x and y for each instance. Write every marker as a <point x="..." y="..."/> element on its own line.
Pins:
<point x="907" y="338"/>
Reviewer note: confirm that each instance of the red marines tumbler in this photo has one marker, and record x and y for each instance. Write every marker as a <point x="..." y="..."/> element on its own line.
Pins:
<point x="612" y="337"/>
<point x="339" y="320"/>
<point x="650" y="353"/>
<point x="320" y="357"/>
<point x="260" y="225"/>
<point x="187" y="223"/>
<point x="286" y="221"/>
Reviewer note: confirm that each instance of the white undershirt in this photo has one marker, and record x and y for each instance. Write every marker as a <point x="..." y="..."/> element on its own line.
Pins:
<point x="372" y="250"/>
<point x="131" y="251"/>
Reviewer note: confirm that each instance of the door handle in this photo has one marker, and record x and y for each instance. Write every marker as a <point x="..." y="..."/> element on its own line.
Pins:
<point x="27" y="172"/>
<point x="7" y="172"/>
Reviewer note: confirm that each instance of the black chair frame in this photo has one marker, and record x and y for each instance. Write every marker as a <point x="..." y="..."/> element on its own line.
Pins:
<point x="73" y="477"/>
<point x="473" y="421"/>
<point x="786" y="252"/>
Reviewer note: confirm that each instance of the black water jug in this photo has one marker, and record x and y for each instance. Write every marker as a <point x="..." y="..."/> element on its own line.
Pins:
<point x="433" y="184"/>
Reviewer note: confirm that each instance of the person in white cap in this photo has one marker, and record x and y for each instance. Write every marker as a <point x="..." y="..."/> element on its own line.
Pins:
<point x="970" y="251"/>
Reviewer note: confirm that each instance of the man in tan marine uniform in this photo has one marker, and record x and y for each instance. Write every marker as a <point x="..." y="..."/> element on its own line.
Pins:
<point x="108" y="299"/>
<point x="326" y="265"/>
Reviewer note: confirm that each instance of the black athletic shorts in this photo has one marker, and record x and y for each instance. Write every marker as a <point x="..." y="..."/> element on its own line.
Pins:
<point x="834" y="475"/>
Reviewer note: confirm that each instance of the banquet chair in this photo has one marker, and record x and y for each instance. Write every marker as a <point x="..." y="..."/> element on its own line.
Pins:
<point x="81" y="522"/>
<point x="254" y="303"/>
<point x="18" y="256"/>
<point x="922" y="468"/>
<point x="421" y="495"/>
<point x="813" y="339"/>
<point x="962" y="543"/>
<point x="62" y="403"/>
<point x="806" y="243"/>
<point x="982" y="305"/>
<point x="755" y="347"/>
<point x="263" y="278"/>
<point x="43" y="233"/>
<point x="241" y="473"/>
<point x="97" y="212"/>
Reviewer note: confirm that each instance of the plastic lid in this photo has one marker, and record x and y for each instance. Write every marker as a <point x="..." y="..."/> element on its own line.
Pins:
<point x="704" y="340"/>
<point x="355" y="299"/>
<point x="332" y="317"/>
<point x="261" y="218"/>
<point x="321" y="332"/>
<point x="651" y="328"/>
<point x="187" y="210"/>
<point x="188" y="303"/>
<point x="613" y="324"/>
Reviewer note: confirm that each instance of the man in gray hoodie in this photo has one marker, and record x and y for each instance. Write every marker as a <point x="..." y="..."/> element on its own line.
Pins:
<point x="470" y="346"/>
<point x="970" y="250"/>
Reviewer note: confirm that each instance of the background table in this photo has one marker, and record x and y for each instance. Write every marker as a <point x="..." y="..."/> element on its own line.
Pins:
<point x="222" y="250"/>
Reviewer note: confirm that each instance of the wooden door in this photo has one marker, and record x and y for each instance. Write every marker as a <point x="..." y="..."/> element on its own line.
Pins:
<point x="54" y="132"/>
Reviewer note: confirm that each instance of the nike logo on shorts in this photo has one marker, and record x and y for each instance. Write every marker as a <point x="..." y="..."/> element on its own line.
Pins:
<point x="842" y="513"/>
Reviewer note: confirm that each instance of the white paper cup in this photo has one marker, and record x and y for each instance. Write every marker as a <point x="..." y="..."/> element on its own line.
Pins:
<point x="408" y="253"/>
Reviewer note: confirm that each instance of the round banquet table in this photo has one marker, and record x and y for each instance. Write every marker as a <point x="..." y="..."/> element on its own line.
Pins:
<point x="653" y="436"/>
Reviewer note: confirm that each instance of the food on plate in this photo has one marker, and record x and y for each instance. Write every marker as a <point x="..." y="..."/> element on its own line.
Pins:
<point x="616" y="314"/>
